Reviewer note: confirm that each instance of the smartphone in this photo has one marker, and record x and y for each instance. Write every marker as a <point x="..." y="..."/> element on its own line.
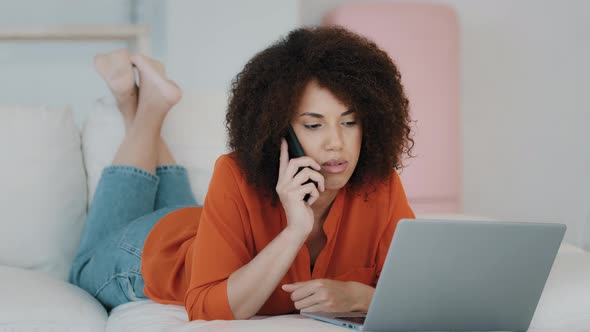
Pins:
<point x="296" y="151"/>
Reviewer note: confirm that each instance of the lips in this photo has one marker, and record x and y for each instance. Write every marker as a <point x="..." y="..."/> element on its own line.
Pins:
<point x="335" y="166"/>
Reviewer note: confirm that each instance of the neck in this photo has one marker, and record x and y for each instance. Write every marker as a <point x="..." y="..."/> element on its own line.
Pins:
<point x="322" y="205"/>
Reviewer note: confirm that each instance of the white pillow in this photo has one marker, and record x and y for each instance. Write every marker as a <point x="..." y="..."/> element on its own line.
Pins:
<point x="43" y="196"/>
<point x="34" y="301"/>
<point x="193" y="130"/>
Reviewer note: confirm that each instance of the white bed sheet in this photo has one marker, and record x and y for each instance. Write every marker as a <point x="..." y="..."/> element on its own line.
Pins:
<point x="564" y="306"/>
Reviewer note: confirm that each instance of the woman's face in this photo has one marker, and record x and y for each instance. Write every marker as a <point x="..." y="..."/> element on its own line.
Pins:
<point x="329" y="132"/>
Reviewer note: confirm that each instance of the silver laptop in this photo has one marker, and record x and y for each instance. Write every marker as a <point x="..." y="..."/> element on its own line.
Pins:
<point x="446" y="275"/>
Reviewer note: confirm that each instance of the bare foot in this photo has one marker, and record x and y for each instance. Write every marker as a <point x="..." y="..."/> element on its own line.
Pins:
<point x="155" y="90"/>
<point x="117" y="71"/>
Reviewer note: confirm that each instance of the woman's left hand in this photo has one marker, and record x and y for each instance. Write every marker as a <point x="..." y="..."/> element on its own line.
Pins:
<point x="330" y="295"/>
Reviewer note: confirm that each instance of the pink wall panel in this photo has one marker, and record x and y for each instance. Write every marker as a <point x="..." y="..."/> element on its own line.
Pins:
<point x="423" y="40"/>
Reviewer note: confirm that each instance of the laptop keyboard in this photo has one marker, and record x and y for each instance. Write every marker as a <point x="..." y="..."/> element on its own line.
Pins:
<point x="357" y="320"/>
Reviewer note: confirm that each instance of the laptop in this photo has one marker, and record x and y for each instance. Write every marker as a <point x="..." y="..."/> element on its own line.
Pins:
<point x="455" y="275"/>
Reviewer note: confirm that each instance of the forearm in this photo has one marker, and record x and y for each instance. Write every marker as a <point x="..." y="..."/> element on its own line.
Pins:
<point x="250" y="286"/>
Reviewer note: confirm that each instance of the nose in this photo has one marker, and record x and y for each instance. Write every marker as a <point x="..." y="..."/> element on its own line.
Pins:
<point x="334" y="139"/>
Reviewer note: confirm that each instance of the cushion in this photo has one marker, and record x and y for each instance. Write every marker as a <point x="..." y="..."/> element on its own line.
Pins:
<point x="194" y="131"/>
<point x="34" y="301"/>
<point x="43" y="198"/>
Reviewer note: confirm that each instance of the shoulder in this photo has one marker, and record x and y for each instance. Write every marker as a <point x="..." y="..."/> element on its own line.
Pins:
<point x="387" y="198"/>
<point x="383" y="191"/>
<point x="227" y="161"/>
<point x="229" y="178"/>
<point x="227" y="167"/>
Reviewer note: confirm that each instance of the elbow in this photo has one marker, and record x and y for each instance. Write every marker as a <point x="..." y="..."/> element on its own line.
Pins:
<point x="240" y="300"/>
<point x="242" y="314"/>
<point x="241" y="310"/>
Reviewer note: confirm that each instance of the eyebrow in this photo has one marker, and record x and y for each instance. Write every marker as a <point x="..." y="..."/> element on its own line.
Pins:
<point x="317" y="115"/>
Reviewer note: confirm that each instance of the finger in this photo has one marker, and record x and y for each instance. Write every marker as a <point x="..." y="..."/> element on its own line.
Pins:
<point x="307" y="174"/>
<point x="307" y="302"/>
<point x="321" y="183"/>
<point x="296" y="163"/>
<point x="313" y="197"/>
<point x="304" y="291"/>
<point x="284" y="157"/>
<point x="307" y="189"/>
<point x="293" y="286"/>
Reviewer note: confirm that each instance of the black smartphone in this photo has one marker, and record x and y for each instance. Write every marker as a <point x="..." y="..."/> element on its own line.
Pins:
<point x="296" y="151"/>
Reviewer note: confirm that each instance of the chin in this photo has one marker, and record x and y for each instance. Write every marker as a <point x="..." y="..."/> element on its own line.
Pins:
<point x="336" y="184"/>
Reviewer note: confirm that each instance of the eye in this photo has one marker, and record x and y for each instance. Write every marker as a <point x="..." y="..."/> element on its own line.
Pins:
<point x="312" y="126"/>
<point x="350" y="123"/>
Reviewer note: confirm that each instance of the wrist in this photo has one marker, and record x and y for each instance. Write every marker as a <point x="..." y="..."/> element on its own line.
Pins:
<point x="295" y="235"/>
<point x="362" y="295"/>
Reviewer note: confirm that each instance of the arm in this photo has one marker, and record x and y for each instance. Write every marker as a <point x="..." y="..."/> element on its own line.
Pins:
<point x="226" y="281"/>
<point x="267" y="269"/>
<point x="262" y="274"/>
<point x="343" y="296"/>
<point x="330" y="295"/>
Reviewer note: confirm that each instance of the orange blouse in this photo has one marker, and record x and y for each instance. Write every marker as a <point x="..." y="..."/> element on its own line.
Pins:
<point x="191" y="252"/>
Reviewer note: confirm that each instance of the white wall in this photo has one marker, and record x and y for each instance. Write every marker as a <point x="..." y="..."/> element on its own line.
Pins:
<point x="55" y="73"/>
<point x="525" y="78"/>
<point x="208" y="42"/>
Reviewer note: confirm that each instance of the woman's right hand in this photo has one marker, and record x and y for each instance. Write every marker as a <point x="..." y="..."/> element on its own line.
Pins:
<point x="291" y="189"/>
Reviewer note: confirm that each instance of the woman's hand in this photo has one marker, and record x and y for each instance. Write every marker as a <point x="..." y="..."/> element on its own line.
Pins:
<point x="330" y="295"/>
<point x="291" y="189"/>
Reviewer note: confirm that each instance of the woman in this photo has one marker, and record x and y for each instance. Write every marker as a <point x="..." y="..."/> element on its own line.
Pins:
<point x="256" y="246"/>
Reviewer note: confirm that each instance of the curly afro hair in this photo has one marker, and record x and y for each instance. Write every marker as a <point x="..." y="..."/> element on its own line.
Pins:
<point x="265" y="95"/>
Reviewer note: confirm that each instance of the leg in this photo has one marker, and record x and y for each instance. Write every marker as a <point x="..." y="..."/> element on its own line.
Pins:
<point x="112" y="273"/>
<point x="157" y="95"/>
<point x="174" y="189"/>
<point x="117" y="70"/>
<point x="164" y="155"/>
<point x="125" y="191"/>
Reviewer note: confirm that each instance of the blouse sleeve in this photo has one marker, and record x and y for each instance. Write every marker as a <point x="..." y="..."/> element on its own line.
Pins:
<point x="220" y="246"/>
<point x="399" y="208"/>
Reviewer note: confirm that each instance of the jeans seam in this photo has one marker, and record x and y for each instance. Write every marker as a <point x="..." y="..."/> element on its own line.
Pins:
<point x="129" y="248"/>
<point x="171" y="169"/>
<point x="131" y="170"/>
<point x="115" y="276"/>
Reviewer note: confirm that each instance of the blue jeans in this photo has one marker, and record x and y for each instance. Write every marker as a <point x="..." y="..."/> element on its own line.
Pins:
<point x="128" y="202"/>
